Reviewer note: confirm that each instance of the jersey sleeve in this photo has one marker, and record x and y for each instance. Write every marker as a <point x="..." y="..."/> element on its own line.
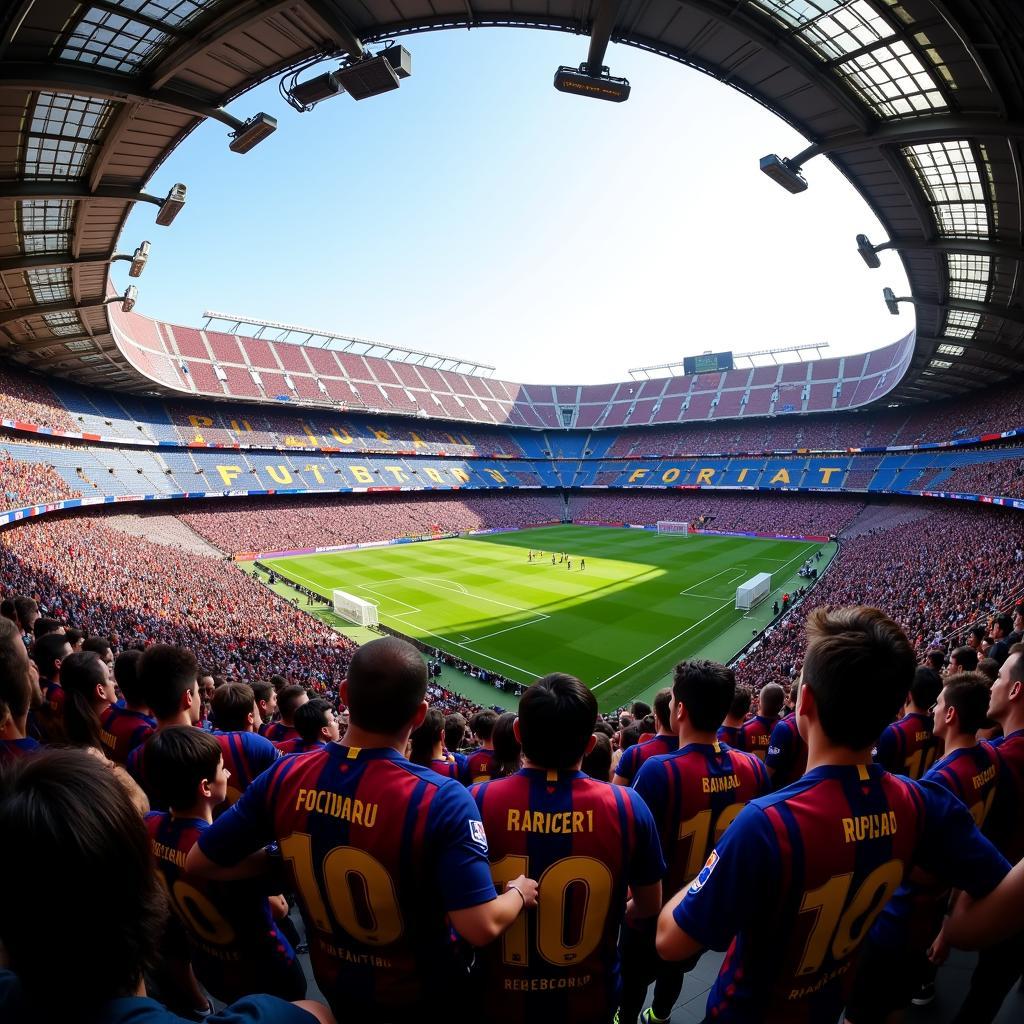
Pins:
<point x="261" y="1010"/>
<point x="263" y="753"/>
<point x="457" y="833"/>
<point x="780" y="747"/>
<point x="952" y="846"/>
<point x="244" y="827"/>
<point x="732" y="883"/>
<point x="650" y="784"/>
<point x="627" y="763"/>
<point x="647" y="865"/>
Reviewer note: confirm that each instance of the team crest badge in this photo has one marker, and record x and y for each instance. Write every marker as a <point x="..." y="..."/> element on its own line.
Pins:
<point x="477" y="834"/>
<point x="705" y="873"/>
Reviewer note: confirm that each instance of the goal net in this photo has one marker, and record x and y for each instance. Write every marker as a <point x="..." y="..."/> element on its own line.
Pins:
<point x="666" y="526"/>
<point x="354" y="609"/>
<point x="754" y="591"/>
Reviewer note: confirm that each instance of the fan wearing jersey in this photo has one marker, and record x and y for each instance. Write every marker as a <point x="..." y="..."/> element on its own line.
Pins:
<point x="907" y="747"/>
<point x="480" y="763"/>
<point x="246" y="755"/>
<point x="426" y="747"/>
<point x="266" y="704"/>
<point x="663" y="742"/>
<point x="786" y="759"/>
<point x="894" y="966"/>
<point x="129" y="726"/>
<point x="19" y="691"/>
<point x="693" y="794"/>
<point x="317" y="725"/>
<point x="799" y="877"/>
<point x="755" y="733"/>
<point x="586" y="841"/>
<point x="289" y="700"/>
<point x="236" y="948"/>
<point x="382" y="853"/>
<point x="729" y="730"/>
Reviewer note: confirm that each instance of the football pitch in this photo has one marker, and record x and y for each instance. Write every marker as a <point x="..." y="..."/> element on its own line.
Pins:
<point x="643" y="601"/>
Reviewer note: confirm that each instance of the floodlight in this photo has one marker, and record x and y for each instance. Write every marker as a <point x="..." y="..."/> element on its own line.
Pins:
<point x="891" y="301"/>
<point x="399" y="58"/>
<point x="131" y="293"/>
<point x="252" y="132"/>
<point x="369" y="77"/>
<point x="139" y="259"/>
<point x="313" y="91"/>
<point x="172" y="205"/>
<point x="783" y="173"/>
<point x="867" y="252"/>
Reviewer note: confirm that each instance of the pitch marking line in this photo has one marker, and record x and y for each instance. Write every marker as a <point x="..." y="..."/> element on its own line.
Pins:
<point x="739" y="575"/>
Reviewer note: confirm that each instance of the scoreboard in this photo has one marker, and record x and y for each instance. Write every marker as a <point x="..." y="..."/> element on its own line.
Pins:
<point x="707" y="362"/>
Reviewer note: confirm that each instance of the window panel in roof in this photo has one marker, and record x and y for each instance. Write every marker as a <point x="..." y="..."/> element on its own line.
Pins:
<point x="796" y="13"/>
<point x="892" y="81"/>
<point x="951" y="350"/>
<point x="50" y="284"/>
<point x="969" y="276"/>
<point x="962" y="323"/>
<point x="105" y="39"/>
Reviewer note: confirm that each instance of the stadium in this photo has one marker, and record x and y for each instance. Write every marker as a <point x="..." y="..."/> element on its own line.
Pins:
<point x="274" y="499"/>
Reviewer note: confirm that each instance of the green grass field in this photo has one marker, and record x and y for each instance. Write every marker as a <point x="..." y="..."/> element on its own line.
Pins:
<point x="643" y="602"/>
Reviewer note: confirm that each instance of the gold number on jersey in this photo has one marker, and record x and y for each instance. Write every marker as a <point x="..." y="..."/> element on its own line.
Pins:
<point x="361" y="893"/>
<point x="979" y="811"/>
<point x="553" y="944"/>
<point x="843" y="925"/>
<point x="698" y="830"/>
<point x="201" y="915"/>
<point x="919" y="762"/>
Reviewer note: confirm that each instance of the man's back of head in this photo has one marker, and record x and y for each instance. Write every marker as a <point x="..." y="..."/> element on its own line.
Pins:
<point x="234" y="706"/>
<point x="166" y="674"/>
<point x="925" y="689"/>
<point x="386" y="684"/>
<point x="556" y="721"/>
<point x="662" y="709"/>
<point x="289" y="700"/>
<point x="706" y="689"/>
<point x="773" y="696"/>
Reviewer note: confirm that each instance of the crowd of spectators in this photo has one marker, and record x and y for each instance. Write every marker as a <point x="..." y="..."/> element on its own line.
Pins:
<point x="83" y="572"/>
<point x="30" y="483"/>
<point x="26" y="397"/>
<point x="1004" y="479"/>
<point x="935" y="575"/>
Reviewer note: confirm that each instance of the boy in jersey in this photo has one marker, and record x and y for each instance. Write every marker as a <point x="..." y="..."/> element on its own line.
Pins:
<point x="664" y="741"/>
<point x="729" y="730"/>
<point x="289" y="700"/>
<point x="800" y="876"/>
<point x="587" y="841"/>
<point x="693" y="793"/>
<point x="246" y="755"/>
<point x="907" y="747"/>
<point x="786" y="759"/>
<point x="132" y="724"/>
<point x="316" y="724"/>
<point x="235" y="946"/>
<point x="894" y="968"/>
<point x="382" y="852"/>
<point x="755" y="733"/>
<point x="481" y="761"/>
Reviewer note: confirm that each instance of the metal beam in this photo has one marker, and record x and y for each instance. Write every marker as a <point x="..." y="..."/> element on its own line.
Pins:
<point x="1011" y="314"/>
<point x="20" y="189"/>
<point x="344" y="33"/>
<point x="42" y="262"/>
<point x="601" y="33"/>
<point x="8" y="316"/>
<point x="955" y="245"/>
<point x="37" y="344"/>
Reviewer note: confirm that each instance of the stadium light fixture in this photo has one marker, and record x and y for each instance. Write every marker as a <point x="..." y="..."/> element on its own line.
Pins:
<point x="891" y="301"/>
<point x="868" y="253"/>
<point x="139" y="260"/>
<point x="784" y="172"/>
<point x="251" y="133"/>
<point x="172" y="205"/>
<point x="306" y="95"/>
<point x="131" y="294"/>
<point x="601" y="85"/>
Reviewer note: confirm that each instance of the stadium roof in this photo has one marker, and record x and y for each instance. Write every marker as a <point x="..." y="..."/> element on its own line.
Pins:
<point x="920" y="103"/>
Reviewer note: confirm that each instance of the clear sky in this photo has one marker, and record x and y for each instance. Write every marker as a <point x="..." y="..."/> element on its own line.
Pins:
<point x="478" y="212"/>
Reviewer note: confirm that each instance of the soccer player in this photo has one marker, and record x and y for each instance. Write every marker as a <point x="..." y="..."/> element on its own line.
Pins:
<point x="693" y="793"/>
<point x="907" y="747"/>
<point x="552" y="558"/>
<point x="480" y="762"/>
<point x="1000" y="966"/>
<point x="266" y="704"/>
<point x="246" y="754"/>
<point x="289" y="700"/>
<point x="236" y="948"/>
<point x="583" y="564"/>
<point x="19" y="691"/>
<point x="894" y="968"/>
<point x="131" y="725"/>
<point x="587" y="841"/>
<point x="663" y="742"/>
<point x="786" y="759"/>
<point x="729" y="730"/>
<point x="755" y="734"/>
<point x="383" y="853"/>
<point x="799" y="877"/>
<point x="74" y="822"/>
<point x="316" y="724"/>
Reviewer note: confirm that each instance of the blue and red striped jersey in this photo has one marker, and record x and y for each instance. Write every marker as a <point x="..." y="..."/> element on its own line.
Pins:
<point x="755" y="734"/>
<point x="278" y="731"/>
<point x="787" y="752"/>
<point x="800" y="876"/>
<point x="246" y="756"/>
<point x="480" y="764"/>
<point x="730" y="734"/>
<point x="379" y="850"/>
<point x="584" y="841"/>
<point x="13" y="750"/>
<point x="633" y="757"/>
<point x="1007" y="818"/>
<point x="694" y="794"/>
<point x="298" y="745"/>
<point x="236" y="946"/>
<point x="450" y="768"/>
<point x="126" y="730"/>
<point x="907" y="747"/>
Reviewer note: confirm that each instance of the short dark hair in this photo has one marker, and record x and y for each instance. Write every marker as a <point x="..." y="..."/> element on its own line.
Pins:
<point x="100" y="644"/>
<point x="311" y="718"/>
<point x="859" y="667"/>
<point x="968" y="693"/>
<point x="640" y="709"/>
<point x="80" y="674"/>
<point x="556" y="721"/>
<point x="47" y="650"/>
<point x="425" y="737"/>
<point x="126" y="675"/>
<point x="178" y="758"/>
<point x="454" y="730"/>
<point x="507" y="750"/>
<point x="74" y="635"/>
<point x="387" y="682"/>
<point x="278" y="682"/>
<point x="936" y="658"/>
<point x="966" y="658"/>
<point x="289" y="698"/>
<point x="44" y="626"/>
<point x="978" y="632"/>
<point x="926" y="687"/>
<point x="630" y="736"/>
<point x="231" y="706"/>
<point x="706" y="690"/>
<point x="741" y="701"/>
<point x="482" y="724"/>
<point x="662" y="706"/>
<point x="166" y="674"/>
<point x="989" y="668"/>
<point x="1004" y="622"/>
<point x="26" y="609"/>
<point x="262" y="690"/>
<point x="7" y="610"/>
<point x="75" y="821"/>
<point x="15" y="682"/>
<point x="770" y="702"/>
<point x="598" y="763"/>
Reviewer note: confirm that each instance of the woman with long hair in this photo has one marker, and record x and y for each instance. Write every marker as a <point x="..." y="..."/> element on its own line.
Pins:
<point x="88" y="692"/>
<point x="507" y="750"/>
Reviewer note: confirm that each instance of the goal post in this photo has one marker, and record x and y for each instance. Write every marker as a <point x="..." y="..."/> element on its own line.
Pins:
<point x="354" y="609"/>
<point x="754" y="591"/>
<point x="668" y="526"/>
